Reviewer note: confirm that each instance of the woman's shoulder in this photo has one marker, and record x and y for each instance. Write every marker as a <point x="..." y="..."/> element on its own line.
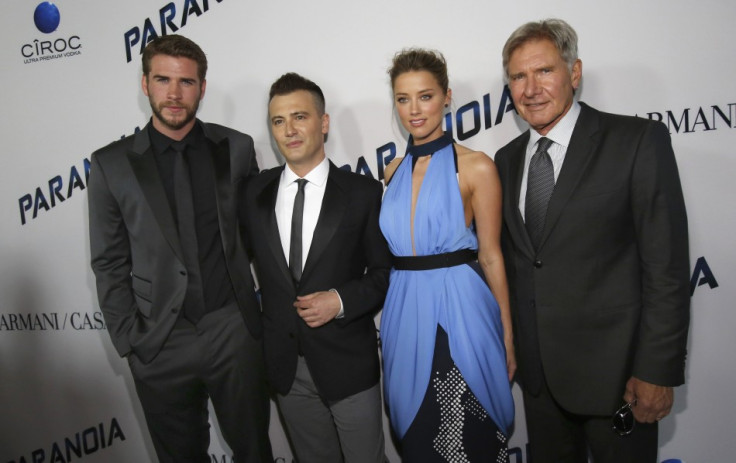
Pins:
<point x="473" y="161"/>
<point x="390" y="169"/>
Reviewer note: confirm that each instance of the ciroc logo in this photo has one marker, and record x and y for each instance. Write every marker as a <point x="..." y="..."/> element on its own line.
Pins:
<point x="47" y="18"/>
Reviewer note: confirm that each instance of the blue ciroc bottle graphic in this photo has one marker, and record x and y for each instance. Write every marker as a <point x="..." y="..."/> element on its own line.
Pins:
<point x="46" y="17"/>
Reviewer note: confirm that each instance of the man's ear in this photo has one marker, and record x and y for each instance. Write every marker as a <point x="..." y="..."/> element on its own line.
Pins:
<point x="577" y="73"/>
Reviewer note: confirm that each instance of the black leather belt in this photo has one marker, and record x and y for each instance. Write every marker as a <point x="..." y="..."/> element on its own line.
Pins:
<point x="448" y="259"/>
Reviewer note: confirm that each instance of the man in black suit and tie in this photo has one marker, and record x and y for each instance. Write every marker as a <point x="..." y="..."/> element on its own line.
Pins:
<point x="173" y="278"/>
<point x="323" y="265"/>
<point x="596" y="247"/>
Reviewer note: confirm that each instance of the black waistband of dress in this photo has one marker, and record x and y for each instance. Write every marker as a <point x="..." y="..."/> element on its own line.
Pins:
<point x="448" y="259"/>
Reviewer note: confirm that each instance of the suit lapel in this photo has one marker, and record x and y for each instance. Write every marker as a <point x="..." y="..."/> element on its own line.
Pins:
<point x="224" y="193"/>
<point x="514" y="219"/>
<point x="582" y="144"/>
<point x="266" y="204"/>
<point x="334" y="205"/>
<point x="144" y="167"/>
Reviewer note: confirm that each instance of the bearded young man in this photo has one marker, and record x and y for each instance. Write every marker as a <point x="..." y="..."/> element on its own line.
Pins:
<point x="173" y="279"/>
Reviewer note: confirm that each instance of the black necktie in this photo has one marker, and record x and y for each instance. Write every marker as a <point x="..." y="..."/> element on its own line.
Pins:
<point x="540" y="183"/>
<point x="297" y="217"/>
<point x="194" y="299"/>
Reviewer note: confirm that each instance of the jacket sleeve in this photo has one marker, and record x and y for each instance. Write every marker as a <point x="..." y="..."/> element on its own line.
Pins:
<point x="110" y="258"/>
<point x="367" y="293"/>
<point x="660" y="219"/>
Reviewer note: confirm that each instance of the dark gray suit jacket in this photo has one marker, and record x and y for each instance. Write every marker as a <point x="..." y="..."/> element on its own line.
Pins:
<point x="606" y="295"/>
<point x="349" y="254"/>
<point x="136" y="255"/>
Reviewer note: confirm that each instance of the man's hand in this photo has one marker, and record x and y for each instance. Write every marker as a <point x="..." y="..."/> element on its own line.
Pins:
<point x="318" y="308"/>
<point x="650" y="402"/>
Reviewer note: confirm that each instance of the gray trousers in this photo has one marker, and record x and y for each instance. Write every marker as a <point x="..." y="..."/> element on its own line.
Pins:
<point x="349" y="430"/>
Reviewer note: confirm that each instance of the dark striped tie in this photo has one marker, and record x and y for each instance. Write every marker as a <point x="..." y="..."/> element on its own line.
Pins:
<point x="540" y="183"/>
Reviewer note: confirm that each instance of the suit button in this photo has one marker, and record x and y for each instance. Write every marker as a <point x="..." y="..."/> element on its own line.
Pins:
<point x="174" y="310"/>
<point x="538" y="263"/>
<point x="291" y="335"/>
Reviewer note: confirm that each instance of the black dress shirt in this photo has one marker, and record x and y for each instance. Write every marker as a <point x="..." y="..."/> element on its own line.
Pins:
<point x="216" y="283"/>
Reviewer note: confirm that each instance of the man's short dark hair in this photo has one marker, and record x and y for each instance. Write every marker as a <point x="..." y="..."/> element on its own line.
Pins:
<point x="292" y="82"/>
<point x="177" y="46"/>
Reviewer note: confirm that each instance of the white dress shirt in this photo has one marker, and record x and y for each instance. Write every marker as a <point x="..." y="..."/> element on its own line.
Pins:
<point x="560" y="136"/>
<point x="314" y="193"/>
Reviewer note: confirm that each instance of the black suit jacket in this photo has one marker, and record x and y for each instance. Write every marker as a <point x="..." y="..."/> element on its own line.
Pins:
<point x="136" y="255"/>
<point x="606" y="295"/>
<point x="349" y="254"/>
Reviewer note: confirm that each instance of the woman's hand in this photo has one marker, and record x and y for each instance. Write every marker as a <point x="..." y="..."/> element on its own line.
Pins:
<point x="510" y="357"/>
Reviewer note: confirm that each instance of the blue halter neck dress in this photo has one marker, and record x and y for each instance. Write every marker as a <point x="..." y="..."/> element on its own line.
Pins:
<point x="456" y="299"/>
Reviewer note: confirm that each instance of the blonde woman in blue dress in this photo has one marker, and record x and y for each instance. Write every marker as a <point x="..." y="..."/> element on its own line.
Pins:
<point x="445" y="328"/>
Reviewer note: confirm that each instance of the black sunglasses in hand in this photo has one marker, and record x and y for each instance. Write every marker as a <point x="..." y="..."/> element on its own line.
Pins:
<point x="623" y="420"/>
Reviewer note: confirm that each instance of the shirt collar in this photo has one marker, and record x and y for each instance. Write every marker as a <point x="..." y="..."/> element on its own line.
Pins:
<point x="562" y="131"/>
<point x="161" y="142"/>
<point x="316" y="176"/>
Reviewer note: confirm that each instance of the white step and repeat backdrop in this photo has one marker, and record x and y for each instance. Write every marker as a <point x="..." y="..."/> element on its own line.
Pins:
<point x="64" y="393"/>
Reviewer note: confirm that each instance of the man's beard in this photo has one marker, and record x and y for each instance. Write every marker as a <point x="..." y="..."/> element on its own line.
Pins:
<point x="174" y="124"/>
